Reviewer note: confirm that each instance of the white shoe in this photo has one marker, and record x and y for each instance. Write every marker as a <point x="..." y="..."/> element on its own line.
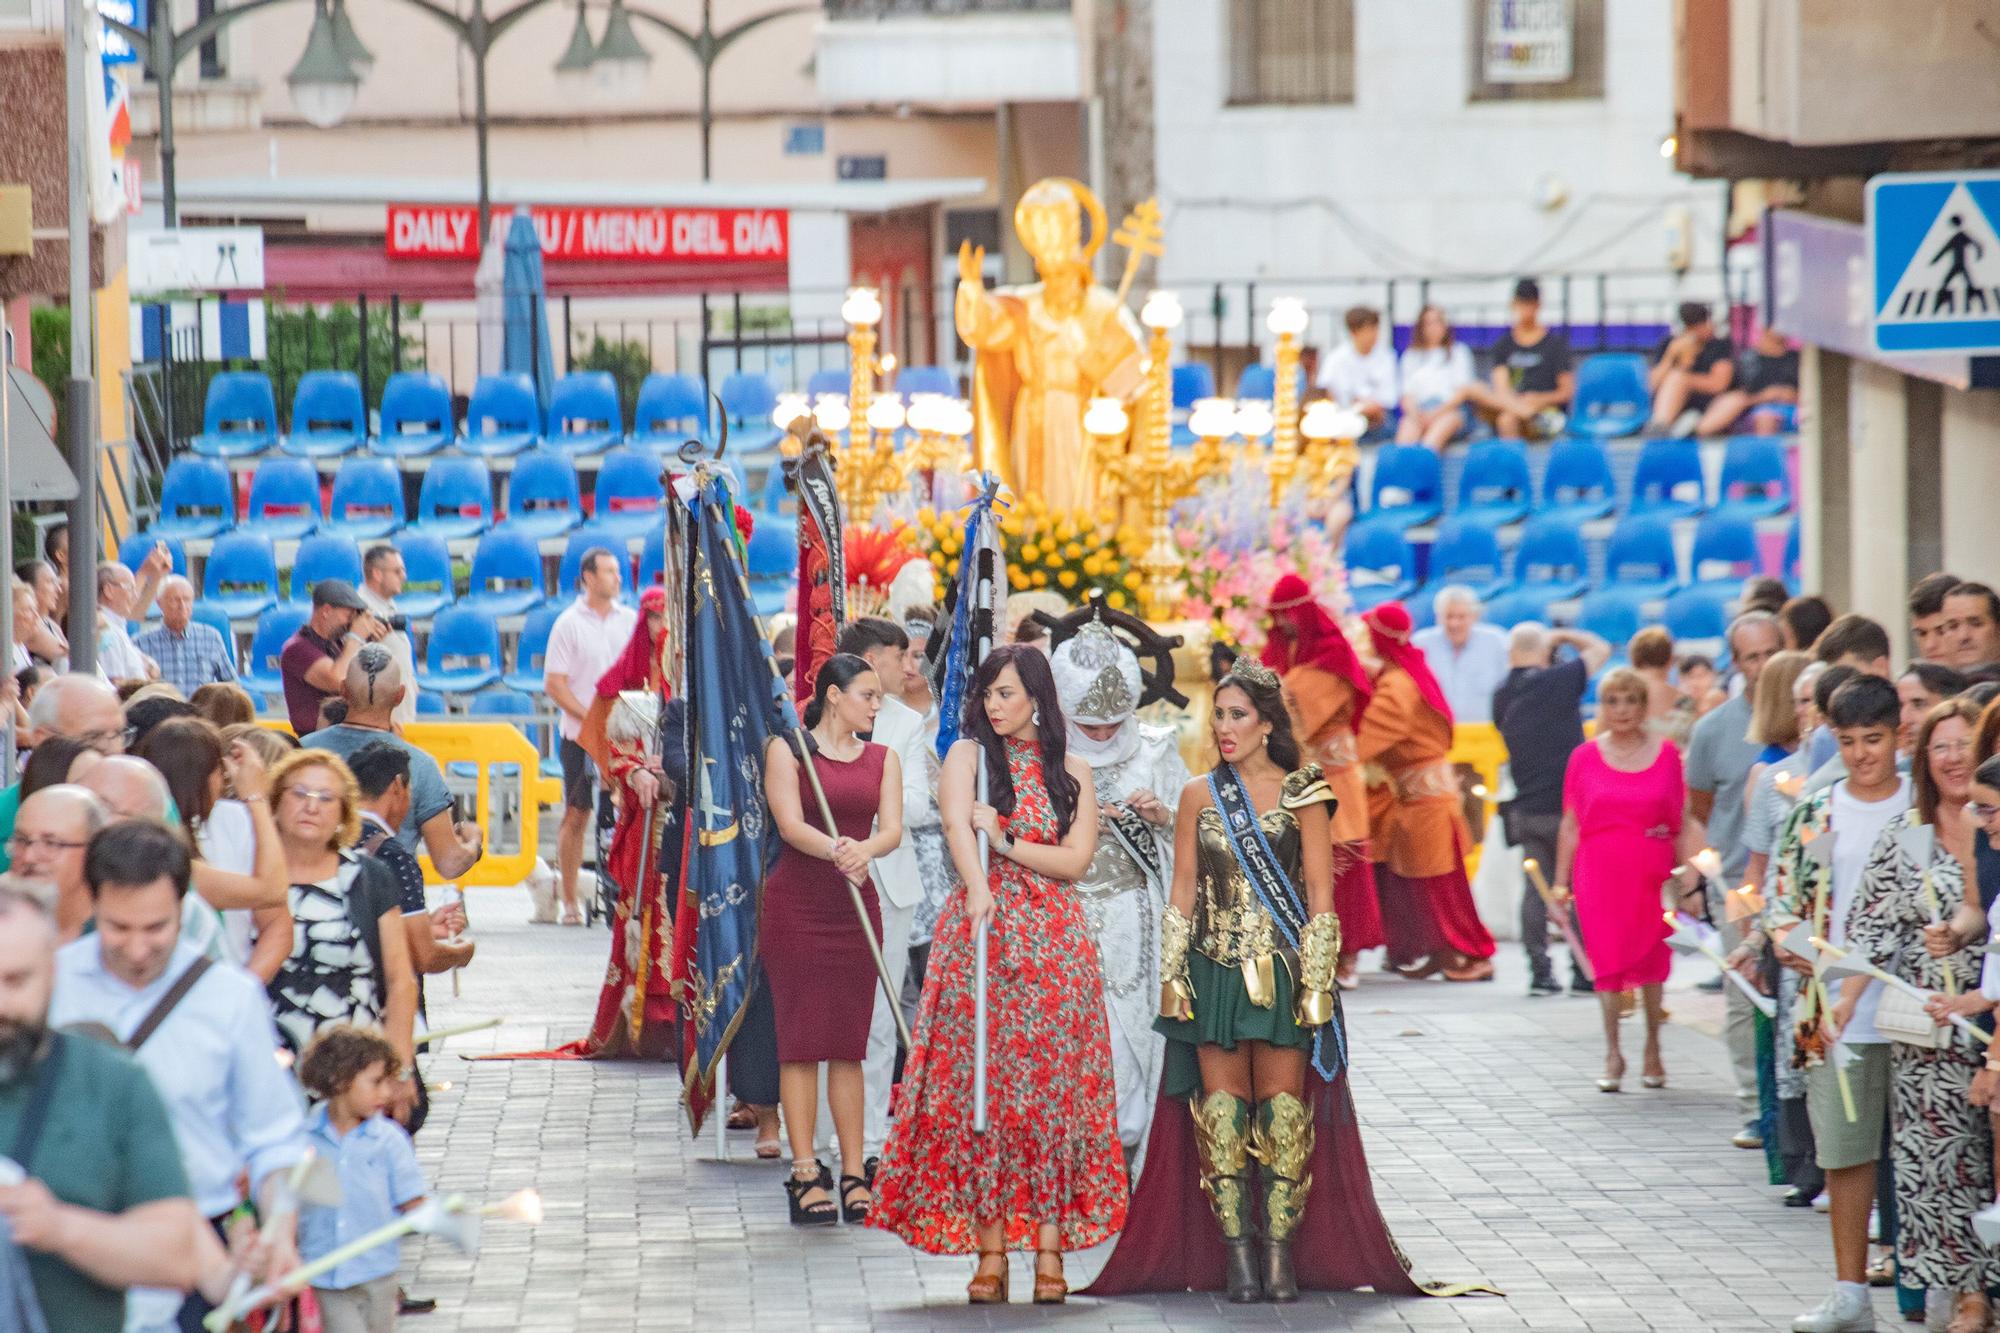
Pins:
<point x="1840" y="1312"/>
<point x="1822" y="1202"/>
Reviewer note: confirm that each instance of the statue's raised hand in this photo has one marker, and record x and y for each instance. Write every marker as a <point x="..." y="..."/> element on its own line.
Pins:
<point x="971" y="263"/>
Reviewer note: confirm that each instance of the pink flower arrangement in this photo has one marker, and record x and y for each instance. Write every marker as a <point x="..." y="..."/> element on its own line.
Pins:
<point x="1234" y="547"/>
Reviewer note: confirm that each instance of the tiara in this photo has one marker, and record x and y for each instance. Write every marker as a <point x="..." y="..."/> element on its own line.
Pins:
<point x="1255" y="672"/>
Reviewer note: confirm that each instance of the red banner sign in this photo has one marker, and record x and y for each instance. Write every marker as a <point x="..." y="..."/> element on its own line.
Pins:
<point x="630" y="235"/>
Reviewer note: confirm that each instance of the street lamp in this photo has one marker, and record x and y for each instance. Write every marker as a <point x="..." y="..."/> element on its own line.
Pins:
<point x="573" y="70"/>
<point x="351" y="46"/>
<point x="621" y="62"/>
<point x="1288" y="319"/>
<point x="323" y="83"/>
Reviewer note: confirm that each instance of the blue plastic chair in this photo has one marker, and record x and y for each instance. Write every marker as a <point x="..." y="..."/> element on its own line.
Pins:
<point x="591" y="536"/>
<point x="1380" y="565"/>
<point x="1261" y="382"/>
<point x="672" y="409"/>
<point x="260" y="673"/>
<point x="432" y="705"/>
<point x="456" y="499"/>
<point x="1612" y="614"/>
<point x="1515" y="605"/>
<point x="747" y="403"/>
<point x="284" y="499"/>
<point x="241" y="578"/>
<point x="502" y="417"/>
<point x="653" y="557"/>
<point x="416" y="416"/>
<point x="828" y="381"/>
<point x="1756" y="481"/>
<point x="324" y="555"/>
<point x="1639" y="560"/>
<point x="1577" y="482"/>
<point x="1494" y="487"/>
<point x="240" y="416"/>
<point x="506" y="575"/>
<point x="1550" y="565"/>
<point x="367" y="499"/>
<point x="1792" y="554"/>
<point x="427" y="583"/>
<point x="630" y="498"/>
<point x="464" y="650"/>
<point x="506" y="703"/>
<point x="132" y="552"/>
<point x="543" y="498"/>
<point x="212" y="616"/>
<point x="531" y="650"/>
<point x="1611" y="396"/>
<point x="328" y="416"/>
<point x="1408" y="486"/>
<point x="771" y="556"/>
<point x="584" y="417"/>
<point x="1720" y="539"/>
<point x="196" y="500"/>
<point x="1668" y="480"/>
<point x="1466" y="553"/>
<point x="912" y="380"/>
<point x="1699" y="612"/>
<point x="1192" y="381"/>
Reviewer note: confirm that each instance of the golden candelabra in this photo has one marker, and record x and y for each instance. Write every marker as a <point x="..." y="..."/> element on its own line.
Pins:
<point x="1150" y="472"/>
<point x="1330" y="450"/>
<point x="861" y="311"/>
<point x="1288" y="320"/>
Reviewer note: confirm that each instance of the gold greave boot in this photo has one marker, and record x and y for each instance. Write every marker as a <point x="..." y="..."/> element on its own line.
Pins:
<point x="1283" y="1142"/>
<point x="1222" y="1130"/>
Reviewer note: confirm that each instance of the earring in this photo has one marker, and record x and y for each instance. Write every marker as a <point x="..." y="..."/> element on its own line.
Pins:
<point x="1036" y="717"/>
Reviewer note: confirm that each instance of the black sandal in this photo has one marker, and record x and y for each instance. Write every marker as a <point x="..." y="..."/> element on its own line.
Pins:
<point x="817" y="1214"/>
<point x="855" y="1212"/>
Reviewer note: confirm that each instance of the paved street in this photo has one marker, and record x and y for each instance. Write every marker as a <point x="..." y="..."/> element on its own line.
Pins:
<point x="1494" y="1157"/>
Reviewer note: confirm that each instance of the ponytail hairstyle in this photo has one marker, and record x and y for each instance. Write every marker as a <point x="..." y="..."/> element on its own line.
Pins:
<point x="1052" y="733"/>
<point x="1261" y="684"/>
<point x="839" y="671"/>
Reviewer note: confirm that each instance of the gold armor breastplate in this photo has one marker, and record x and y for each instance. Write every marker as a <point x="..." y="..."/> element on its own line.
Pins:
<point x="1230" y="924"/>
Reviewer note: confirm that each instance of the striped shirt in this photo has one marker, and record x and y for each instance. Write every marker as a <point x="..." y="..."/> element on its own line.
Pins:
<point x="190" y="659"/>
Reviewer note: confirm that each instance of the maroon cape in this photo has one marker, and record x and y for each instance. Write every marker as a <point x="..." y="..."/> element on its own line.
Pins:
<point x="1171" y="1243"/>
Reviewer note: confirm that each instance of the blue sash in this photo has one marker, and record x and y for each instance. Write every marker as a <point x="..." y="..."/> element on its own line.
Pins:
<point x="1275" y="893"/>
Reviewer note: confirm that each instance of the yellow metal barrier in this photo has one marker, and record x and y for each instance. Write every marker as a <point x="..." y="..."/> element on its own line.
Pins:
<point x="483" y="745"/>
<point x="1477" y="745"/>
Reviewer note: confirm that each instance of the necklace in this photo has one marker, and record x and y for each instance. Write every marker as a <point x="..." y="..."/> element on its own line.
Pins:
<point x="838" y="753"/>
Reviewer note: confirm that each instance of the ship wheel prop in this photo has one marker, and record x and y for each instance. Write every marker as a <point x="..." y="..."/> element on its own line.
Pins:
<point x="1154" y="650"/>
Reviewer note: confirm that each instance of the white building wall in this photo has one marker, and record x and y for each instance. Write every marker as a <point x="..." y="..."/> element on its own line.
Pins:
<point x="1411" y="179"/>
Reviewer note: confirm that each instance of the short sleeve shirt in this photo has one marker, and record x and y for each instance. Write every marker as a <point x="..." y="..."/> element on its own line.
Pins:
<point x="1719" y="759"/>
<point x="1534" y="367"/>
<point x="1539" y="712"/>
<point x="107" y="1145"/>
<point x="294" y="660"/>
<point x="582" y="647"/>
<point x="1757" y="372"/>
<point x="409" y="872"/>
<point x="428" y="793"/>
<point x="378" y="1176"/>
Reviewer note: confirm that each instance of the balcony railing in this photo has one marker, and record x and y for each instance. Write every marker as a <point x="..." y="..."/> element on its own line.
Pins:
<point x="878" y="9"/>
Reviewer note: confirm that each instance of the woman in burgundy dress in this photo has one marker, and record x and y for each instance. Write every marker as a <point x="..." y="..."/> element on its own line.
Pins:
<point x="822" y="976"/>
<point x="1048" y="1173"/>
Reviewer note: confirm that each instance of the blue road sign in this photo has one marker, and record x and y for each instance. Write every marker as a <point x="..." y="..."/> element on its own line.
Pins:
<point x="1934" y="243"/>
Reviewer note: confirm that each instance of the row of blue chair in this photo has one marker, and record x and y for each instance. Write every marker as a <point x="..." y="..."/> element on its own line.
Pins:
<point x="1550" y="562"/>
<point x="1495" y="487"/>
<point x="330" y="419"/>
<point x="454" y="500"/>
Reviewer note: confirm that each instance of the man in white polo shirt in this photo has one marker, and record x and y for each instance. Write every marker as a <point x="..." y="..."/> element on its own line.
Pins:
<point x="585" y="640"/>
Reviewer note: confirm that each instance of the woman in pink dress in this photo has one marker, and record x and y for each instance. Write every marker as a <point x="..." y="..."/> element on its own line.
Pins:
<point x="1622" y="834"/>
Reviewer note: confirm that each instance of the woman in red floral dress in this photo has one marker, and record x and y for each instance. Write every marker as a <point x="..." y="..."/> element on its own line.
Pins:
<point x="1048" y="1174"/>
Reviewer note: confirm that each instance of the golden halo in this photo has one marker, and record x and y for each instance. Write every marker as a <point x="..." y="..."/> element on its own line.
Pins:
<point x="1100" y="229"/>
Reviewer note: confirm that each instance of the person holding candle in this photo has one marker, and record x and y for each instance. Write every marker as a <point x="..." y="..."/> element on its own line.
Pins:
<point x="1622" y="834"/>
<point x="1821" y="857"/>
<point x="352" y="1071"/>
<point x="1916" y="878"/>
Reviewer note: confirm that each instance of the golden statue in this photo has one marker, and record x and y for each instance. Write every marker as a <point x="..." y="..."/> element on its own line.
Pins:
<point x="1045" y="350"/>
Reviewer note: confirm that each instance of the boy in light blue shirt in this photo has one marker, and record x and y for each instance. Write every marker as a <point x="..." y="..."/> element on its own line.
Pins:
<point x="352" y="1071"/>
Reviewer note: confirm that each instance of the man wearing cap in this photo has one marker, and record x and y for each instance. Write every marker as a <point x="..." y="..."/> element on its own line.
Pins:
<point x="314" y="661"/>
<point x="1532" y="381"/>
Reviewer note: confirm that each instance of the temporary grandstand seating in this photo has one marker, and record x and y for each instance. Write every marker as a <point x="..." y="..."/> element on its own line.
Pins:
<point x="1725" y="552"/>
<point x="1668" y="480"/>
<point x="427" y="582"/>
<point x="501" y="418"/>
<point x="260" y="674"/>
<point x="284" y="498"/>
<point x="1756" y="479"/>
<point x="1467" y="553"/>
<point x="543" y="497"/>
<point x="532" y="648"/>
<point x="241" y="577"/>
<point x="196" y="500"/>
<point x="239" y="418"/>
<point x="456" y="499"/>
<point x="672" y="409"/>
<point x="629" y="495"/>
<point x="328" y="416"/>
<point x="1611" y="396"/>
<point x="584" y="417"/>
<point x="367" y="499"/>
<point x="1408" y="486"/>
<point x="324" y="555"/>
<point x="1494" y="487"/>
<point x="747" y="403"/>
<point x="506" y="574"/>
<point x="1577" y="481"/>
<point x="464" y="650"/>
<point x="416" y="416"/>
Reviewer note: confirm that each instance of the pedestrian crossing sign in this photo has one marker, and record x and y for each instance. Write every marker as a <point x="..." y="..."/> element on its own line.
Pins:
<point x="1934" y="240"/>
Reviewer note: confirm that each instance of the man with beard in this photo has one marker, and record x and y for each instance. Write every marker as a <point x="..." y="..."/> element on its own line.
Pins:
<point x="105" y="1204"/>
<point x="1139" y="775"/>
<point x="53" y="828"/>
<point x="202" y="1031"/>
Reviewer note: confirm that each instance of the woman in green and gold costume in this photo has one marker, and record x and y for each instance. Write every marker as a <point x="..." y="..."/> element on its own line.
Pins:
<point x="1256" y="1049"/>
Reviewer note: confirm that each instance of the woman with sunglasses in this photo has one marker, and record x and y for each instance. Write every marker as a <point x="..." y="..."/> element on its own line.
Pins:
<point x="1917" y="877"/>
<point x="346" y="965"/>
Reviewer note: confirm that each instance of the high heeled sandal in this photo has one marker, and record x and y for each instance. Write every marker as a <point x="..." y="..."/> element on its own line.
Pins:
<point x="1049" y="1290"/>
<point x="817" y="1214"/>
<point x="1613" y="1083"/>
<point x="988" y="1288"/>
<point x="855" y="1212"/>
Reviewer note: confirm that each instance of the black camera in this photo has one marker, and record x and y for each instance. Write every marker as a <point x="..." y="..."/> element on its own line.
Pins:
<point x="400" y="624"/>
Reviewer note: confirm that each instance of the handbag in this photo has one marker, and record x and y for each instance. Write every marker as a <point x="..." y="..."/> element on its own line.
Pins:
<point x="1900" y="1017"/>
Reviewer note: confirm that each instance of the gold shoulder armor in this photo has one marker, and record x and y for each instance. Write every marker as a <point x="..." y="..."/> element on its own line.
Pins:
<point x="1304" y="787"/>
